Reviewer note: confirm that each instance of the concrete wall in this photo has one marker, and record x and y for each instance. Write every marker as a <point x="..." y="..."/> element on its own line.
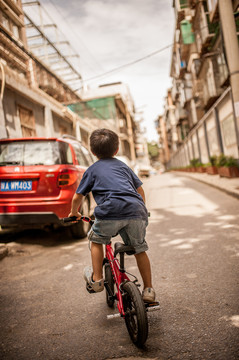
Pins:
<point x="218" y="126"/>
<point x="11" y="102"/>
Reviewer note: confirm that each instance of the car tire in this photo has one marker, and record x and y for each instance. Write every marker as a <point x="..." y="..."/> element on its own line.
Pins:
<point x="81" y="229"/>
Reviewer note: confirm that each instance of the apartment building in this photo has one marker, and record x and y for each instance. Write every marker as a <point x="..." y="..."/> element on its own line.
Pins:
<point x="36" y="98"/>
<point x="111" y="106"/>
<point x="202" y="120"/>
<point x="32" y="96"/>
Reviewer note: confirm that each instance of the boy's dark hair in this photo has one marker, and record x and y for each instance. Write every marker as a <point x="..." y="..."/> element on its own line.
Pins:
<point x="104" y="143"/>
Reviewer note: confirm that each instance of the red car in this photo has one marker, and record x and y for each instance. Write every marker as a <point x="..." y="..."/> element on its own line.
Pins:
<point x="38" y="178"/>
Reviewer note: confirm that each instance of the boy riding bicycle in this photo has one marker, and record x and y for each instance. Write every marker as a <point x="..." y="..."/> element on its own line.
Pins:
<point x="120" y="209"/>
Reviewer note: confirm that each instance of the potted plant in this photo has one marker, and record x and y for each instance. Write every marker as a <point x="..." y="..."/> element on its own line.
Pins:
<point x="228" y="166"/>
<point x="211" y="167"/>
<point x="193" y="164"/>
<point x="200" y="167"/>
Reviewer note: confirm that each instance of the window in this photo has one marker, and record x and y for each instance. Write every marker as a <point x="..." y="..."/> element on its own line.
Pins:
<point x="210" y="81"/>
<point x="183" y="4"/>
<point x="9" y="25"/>
<point x="15" y="30"/>
<point x="5" y="21"/>
<point x="80" y="156"/>
<point x="30" y="153"/>
<point x="27" y="122"/>
<point x="88" y="155"/>
<point x="222" y="66"/>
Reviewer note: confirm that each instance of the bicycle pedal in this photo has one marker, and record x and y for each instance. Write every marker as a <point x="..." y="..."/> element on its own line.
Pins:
<point x="113" y="316"/>
<point x="152" y="306"/>
<point x="154" y="303"/>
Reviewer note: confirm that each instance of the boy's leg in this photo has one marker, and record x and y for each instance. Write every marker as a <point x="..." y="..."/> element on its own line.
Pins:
<point x="144" y="269"/>
<point x="97" y="257"/>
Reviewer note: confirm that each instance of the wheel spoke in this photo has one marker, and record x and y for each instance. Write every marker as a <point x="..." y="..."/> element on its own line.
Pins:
<point x="135" y="314"/>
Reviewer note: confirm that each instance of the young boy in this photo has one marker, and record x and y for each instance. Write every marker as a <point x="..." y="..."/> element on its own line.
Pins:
<point x="120" y="209"/>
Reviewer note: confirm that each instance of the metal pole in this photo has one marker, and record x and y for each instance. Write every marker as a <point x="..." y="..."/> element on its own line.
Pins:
<point x="206" y="139"/>
<point x="219" y="134"/>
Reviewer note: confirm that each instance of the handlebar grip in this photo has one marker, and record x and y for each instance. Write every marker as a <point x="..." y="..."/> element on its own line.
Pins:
<point x="75" y="218"/>
<point x="69" y="219"/>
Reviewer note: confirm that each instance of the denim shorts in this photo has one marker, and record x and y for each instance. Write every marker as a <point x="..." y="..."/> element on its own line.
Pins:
<point x="132" y="232"/>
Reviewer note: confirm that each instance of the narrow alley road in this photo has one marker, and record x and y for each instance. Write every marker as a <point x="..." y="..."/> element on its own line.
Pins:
<point x="193" y="236"/>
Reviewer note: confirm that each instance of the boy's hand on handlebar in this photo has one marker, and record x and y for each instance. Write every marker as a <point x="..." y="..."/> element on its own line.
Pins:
<point x="76" y="214"/>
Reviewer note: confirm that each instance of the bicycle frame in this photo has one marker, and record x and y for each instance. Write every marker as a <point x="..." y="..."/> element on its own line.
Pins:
<point x="118" y="274"/>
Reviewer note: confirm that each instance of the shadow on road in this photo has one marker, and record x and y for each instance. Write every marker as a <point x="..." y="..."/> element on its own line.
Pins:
<point x="47" y="238"/>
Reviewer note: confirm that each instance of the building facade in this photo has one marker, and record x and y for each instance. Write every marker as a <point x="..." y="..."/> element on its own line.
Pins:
<point x="111" y="106"/>
<point x="37" y="101"/>
<point x="201" y="116"/>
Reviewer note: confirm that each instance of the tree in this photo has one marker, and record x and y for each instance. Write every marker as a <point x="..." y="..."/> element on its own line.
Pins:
<point x="153" y="151"/>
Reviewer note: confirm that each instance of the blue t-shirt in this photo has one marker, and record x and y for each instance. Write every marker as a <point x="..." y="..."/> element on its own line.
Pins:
<point x="113" y="185"/>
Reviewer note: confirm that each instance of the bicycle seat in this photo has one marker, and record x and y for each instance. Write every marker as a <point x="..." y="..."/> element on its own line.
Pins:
<point x="121" y="248"/>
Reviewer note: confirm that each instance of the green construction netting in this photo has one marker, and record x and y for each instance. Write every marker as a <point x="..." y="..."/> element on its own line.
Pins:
<point x="103" y="108"/>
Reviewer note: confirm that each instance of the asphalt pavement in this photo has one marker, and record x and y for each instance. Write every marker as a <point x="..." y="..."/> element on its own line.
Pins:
<point x="193" y="233"/>
<point x="227" y="185"/>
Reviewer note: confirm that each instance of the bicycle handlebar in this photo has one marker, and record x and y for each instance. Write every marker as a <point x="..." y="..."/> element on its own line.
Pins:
<point x="75" y="219"/>
<point x="84" y="218"/>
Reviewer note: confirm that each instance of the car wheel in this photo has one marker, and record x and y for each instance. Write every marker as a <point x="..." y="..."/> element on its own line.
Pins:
<point x="81" y="229"/>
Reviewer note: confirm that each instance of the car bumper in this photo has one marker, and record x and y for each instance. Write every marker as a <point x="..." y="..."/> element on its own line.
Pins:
<point x="31" y="218"/>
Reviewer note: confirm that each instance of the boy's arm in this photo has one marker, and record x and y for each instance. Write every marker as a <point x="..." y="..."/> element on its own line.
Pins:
<point x="76" y="203"/>
<point x="140" y="190"/>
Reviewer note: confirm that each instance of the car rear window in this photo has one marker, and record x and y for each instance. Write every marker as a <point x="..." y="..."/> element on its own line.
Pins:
<point x="34" y="153"/>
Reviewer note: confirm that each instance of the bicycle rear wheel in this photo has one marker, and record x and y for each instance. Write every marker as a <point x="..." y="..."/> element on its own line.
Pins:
<point x="109" y="280"/>
<point x="135" y="314"/>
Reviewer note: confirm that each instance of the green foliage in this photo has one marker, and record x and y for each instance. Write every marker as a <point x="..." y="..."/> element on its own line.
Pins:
<point x="221" y="160"/>
<point x="153" y="150"/>
<point x="213" y="160"/>
<point x="194" y="162"/>
<point x="231" y="161"/>
<point x="226" y="161"/>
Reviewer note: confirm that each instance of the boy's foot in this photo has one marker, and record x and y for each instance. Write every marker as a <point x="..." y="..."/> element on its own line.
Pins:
<point x="91" y="285"/>
<point x="148" y="295"/>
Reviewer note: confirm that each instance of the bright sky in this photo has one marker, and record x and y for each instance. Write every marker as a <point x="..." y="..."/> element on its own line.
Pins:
<point x="108" y="34"/>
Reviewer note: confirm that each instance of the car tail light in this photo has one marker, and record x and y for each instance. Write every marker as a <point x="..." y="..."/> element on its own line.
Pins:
<point x="67" y="177"/>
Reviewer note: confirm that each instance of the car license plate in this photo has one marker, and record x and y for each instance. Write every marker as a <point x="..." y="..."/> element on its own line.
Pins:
<point x="16" y="185"/>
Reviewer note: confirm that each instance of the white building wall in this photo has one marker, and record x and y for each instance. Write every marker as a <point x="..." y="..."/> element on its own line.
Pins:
<point x="226" y="118"/>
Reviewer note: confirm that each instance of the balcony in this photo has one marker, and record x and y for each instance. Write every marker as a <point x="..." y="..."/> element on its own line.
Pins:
<point x="182" y="9"/>
<point x="197" y="88"/>
<point x="206" y="31"/>
<point x="53" y="86"/>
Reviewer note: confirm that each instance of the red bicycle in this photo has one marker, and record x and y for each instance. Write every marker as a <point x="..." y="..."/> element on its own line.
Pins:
<point x="121" y="289"/>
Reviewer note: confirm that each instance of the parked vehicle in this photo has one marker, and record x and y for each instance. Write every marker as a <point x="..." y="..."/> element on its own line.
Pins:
<point x="142" y="167"/>
<point x="38" y="178"/>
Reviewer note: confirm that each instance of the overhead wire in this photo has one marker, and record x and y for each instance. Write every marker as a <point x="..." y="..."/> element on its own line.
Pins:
<point x="127" y="64"/>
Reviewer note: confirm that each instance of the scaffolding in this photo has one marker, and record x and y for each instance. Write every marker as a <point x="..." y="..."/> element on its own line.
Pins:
<point x="48" y="44"/>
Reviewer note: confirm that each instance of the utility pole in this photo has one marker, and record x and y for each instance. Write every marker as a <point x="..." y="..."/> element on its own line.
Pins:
<point x="232" y="53"/>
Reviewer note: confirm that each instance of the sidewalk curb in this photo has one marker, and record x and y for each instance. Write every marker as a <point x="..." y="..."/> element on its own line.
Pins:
<point x="3" y="251"/>
<point x="231" y="193"/>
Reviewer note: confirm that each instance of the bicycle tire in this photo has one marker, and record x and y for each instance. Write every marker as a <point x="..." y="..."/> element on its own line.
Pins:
<point x="136" y="319"/>
<point x="110" y="280"/>
<point x="81" y="229"/>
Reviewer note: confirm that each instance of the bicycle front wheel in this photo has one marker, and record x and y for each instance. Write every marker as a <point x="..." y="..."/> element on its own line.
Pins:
<point x="135" y="314"/>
